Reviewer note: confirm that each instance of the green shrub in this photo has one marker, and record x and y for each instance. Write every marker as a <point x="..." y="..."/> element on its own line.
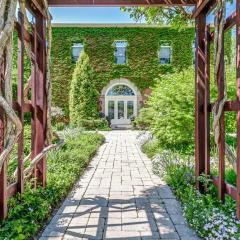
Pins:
<point x="13" y="161"/>
<point x="99" y="124"/>
<point x="151" y="148"/>
<point x="83" y="94"/>
<point x="145" y="117"/>
<point x="29" y="212"/>
<point x="169" y="111"/>
<point x="231" y="176"/>
<point x="59" y="126"/>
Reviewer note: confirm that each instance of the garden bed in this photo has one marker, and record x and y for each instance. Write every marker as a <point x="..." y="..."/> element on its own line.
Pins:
<point x="204" y="212"/>
<point x="30" y="211"/>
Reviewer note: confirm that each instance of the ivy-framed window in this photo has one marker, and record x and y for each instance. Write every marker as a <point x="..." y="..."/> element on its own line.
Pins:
<point x="77" y="48"/>
<point x="194" y="52"/>
<point x="120" y="52"/>
<point x="165" y="54"/>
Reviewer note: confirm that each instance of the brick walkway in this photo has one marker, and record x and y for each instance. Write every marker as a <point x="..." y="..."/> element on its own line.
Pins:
<point x="119" y="197"/>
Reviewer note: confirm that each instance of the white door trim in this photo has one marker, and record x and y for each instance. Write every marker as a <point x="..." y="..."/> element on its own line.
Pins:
<point x="125" y="99"/>
<point x="134" y="98"/>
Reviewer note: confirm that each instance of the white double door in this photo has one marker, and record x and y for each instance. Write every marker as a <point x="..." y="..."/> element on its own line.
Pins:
<point x="120" y="110"/>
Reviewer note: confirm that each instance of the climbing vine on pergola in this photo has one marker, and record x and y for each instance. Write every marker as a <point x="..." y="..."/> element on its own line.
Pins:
<point x="34" y="41"/>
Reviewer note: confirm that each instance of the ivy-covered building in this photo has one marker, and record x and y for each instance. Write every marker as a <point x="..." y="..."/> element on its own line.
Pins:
<point x="127" y="60"/>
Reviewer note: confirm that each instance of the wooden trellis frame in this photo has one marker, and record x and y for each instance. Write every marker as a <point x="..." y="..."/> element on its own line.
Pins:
<point x="38" y="104"/>
<point x="203" y="107"/>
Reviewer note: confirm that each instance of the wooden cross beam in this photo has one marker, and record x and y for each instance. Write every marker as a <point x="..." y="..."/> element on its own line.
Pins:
<point x="70" y="3"/>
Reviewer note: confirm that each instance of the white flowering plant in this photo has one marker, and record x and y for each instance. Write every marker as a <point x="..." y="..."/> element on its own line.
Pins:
<point x="211" y="219"/>
<point x="57" y="114"/>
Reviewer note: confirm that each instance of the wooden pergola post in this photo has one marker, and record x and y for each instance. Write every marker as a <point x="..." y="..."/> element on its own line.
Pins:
<point x="200" y="97"/>
<point x="40" y="98"/>
<point x="221" y="145"/>
<point x="238" y="98"/>
<point x="207" y="101"/>
<point x="20" y="104"/>
<point x="3" y="173"/>
<point x="39" y="95"/>
<point x="36" y="41"/>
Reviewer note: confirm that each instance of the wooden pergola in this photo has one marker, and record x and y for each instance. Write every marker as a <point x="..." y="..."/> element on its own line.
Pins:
<point x="38" y="104"/>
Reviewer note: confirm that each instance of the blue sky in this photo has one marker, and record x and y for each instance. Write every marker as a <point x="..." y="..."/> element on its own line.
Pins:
<point x="90" y="15"/>
<point x="99" y="15"/>
<point x="230" y="9"/>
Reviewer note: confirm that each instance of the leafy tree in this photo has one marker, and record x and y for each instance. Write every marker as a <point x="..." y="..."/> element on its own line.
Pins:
<point x="175" y="16"/>
<point x="178" y="16"/>
<point x="83" y="93"/>
<point x="169" y="111"/>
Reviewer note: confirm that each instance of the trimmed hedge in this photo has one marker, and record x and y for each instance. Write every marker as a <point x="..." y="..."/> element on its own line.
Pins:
<point x="99" y="124"/>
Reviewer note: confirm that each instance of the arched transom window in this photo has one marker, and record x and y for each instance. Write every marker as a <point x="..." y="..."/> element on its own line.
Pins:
<point x="120" y="90"/>
<point x="120" y="102"/>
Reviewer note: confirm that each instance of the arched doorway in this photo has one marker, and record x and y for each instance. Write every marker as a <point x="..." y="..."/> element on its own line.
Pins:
<point x="121" y="99"/>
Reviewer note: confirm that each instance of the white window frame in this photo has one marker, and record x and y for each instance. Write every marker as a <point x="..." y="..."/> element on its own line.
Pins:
<point x="159" y="53"/>
<point x="194" y="52"/>
<point x="75" y="46"/>
<point x="115" y="48"/>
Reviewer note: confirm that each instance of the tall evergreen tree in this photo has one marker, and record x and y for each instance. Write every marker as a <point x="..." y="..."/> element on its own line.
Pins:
<point x="83" y="94"/>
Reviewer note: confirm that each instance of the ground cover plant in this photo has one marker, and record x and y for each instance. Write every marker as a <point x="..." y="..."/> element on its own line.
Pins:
<point x="28" y="212"/>
<point x="210" y="218"/>
<point x="13" y="162"/>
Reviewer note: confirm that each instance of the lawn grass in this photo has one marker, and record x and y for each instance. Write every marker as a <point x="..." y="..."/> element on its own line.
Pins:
<point x="28" y="213"/>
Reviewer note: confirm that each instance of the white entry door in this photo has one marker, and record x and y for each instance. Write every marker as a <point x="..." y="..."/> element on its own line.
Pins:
<point x="120" y="105"/>
<point x="121" y="111"/>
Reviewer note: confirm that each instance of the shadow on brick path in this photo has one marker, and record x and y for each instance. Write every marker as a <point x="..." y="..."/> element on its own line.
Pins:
<point x="119" y="197"/>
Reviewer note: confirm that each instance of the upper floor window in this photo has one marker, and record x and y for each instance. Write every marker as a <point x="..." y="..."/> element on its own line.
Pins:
<point x="194" y="52"/>
<point x="165" y="54"/>
<point x="120" y="52"/>
<point x="76" y="51"/>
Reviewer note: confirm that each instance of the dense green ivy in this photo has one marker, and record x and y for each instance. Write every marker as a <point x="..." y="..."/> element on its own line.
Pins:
<point x="142" y="66"/>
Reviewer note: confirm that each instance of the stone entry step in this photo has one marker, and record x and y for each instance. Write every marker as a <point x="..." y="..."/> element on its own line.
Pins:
<point x="119" y="197"/>
<point x="121" y="126"/>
